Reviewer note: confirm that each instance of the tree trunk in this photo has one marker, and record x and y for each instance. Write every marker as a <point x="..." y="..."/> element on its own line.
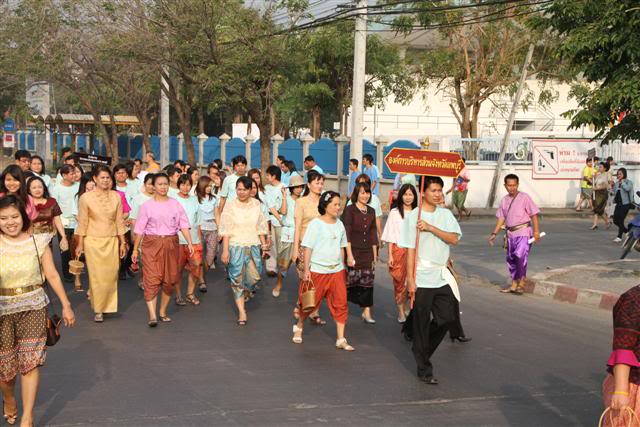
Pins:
<point x="184" y="117"/>
<point x="272" y="116"/>
<point x="265" y="145"/>
<point x="200" y="120"/>
<point x="474" y="119"/>
<point x="114" y="141"/>
<point x="145" y="126"/>
<point x="185" y="127"/>
<point x="315" y="122"/>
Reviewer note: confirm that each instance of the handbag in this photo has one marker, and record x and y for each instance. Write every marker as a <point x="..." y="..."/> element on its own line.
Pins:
<point x="53" y="320"/>
<point x="505" y="239"/>
<point x="308" y="295"/>
<point x="633" y="417"/>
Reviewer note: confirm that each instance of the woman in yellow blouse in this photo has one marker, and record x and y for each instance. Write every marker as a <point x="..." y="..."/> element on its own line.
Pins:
<point x="25" y="262"/>
<point x="244" y="230"/>
<point x="101" y="237"/>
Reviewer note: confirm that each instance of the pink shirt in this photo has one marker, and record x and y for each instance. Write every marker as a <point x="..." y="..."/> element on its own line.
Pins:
<point x="461" y="184"/>
<point x="32" y="212"/>
<point x="521" y="212"/>
<point x="125" y="205"/>
<point x="161" y="218"/>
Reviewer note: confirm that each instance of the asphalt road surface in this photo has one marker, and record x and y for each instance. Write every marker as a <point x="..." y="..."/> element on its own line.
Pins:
<point x="568" y="241"/>
<point x="532" y="361"/>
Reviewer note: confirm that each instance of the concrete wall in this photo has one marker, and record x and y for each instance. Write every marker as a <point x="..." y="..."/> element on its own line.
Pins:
<point x="546" y="193"/>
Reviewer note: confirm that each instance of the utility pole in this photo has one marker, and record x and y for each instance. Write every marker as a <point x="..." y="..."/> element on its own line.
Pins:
<point x="359" y="63"/>
<point x="164" y="124"/>
<point x="507" y="132"/>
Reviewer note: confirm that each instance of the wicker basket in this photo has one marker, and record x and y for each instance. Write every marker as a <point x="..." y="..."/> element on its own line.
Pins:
<point x="76" y="267"/>
<point x="308" y="296"/>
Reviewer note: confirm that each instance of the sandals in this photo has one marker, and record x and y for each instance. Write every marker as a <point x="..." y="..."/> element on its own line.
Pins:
<point x="79" y="289"/>
<point x="317" y="321"/>
<point x="191" y="299"/>
<point x="202" y="287"/>
<point x="275" y="292"/>
<point x="296" y="313"/>
<point x="153" y="323"/>
<point x="342" y="344"/>
<point x="508" y="290"/>
<point x="98" y="318"/>
<point x="297" y="339"/>
<point x="10" y="418"/>
<point x="180" y="301"/>
<point x="165" y="319"/>
<point x="241" y="322"/>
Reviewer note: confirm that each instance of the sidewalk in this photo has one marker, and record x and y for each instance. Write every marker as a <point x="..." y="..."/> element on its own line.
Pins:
<point x="598" y="284"/>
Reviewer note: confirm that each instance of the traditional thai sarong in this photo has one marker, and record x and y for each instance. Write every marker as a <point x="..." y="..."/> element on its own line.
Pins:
<point x="399" y="273"/>
<point x="271" y="264"/>
<point x="458" y="198"/>
<point x="517" y="211"/>
<point x="103" y="263"/>
<point x="360" y="286"/>
<point x="244" y="269"/>
<point x="23" y="339"/>
<point x="192" y="264"/>
<point x="518" y="248"/>
<point x="331" y="287"/>
<point x="284" y="257"/>
<point x="159" y="264"/>
<point x="600" y="201"/>
<point x="210" y="238"/>
<point x="300" y="262"/>
<point x="620" y="418"/>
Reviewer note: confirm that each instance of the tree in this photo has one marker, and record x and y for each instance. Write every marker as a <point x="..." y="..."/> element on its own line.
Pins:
<point x="325" y="78"/>
<point x="477" y="51"/>
<point x="57" y="41"/>
<point x="599" y="42"/>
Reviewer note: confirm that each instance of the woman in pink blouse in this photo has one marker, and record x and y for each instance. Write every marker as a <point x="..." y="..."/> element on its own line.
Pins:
<point x="159" y="221"/>
<point x="13" y="181"/>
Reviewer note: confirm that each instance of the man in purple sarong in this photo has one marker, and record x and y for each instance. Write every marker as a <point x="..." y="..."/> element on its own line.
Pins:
<point x="517" y="214"/>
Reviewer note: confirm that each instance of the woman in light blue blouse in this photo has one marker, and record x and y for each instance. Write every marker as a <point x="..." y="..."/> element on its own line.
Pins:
<point x="192" y="263"/>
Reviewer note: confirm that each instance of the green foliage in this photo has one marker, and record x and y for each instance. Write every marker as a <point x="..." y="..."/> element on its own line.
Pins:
<point x="600" y="45"/>
<point x="473" y="53"/>
<point x="323" y="78"/>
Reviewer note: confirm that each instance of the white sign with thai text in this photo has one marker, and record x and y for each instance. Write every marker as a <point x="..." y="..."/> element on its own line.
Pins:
<point x="559" y="158"/>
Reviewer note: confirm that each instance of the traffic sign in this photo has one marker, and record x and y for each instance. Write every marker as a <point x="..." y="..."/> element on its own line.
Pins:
<point x="9" y="125"/>
<point x="9" y="140"/>
<point x="424" y="162"/>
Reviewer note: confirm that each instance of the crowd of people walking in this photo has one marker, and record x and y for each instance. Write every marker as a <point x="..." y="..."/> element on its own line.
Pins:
<point x="169" y="225"/>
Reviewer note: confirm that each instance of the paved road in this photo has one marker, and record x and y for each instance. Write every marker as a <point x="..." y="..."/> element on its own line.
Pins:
<point x="532" y="362"/>
<point x="568" y="241"/>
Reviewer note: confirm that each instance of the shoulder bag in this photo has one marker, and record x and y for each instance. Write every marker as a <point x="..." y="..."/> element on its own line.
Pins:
<point x="505" y="239"/>
<point x="53" y="320"/>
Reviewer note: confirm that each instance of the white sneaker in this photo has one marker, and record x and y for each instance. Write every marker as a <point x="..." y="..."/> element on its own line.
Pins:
<point x="617" y="240"/>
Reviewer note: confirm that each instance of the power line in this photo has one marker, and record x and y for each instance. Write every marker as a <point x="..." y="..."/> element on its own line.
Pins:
<point x="347" y="15"/>
<point x="477" y="18"/>
<point x="340" y="16"/>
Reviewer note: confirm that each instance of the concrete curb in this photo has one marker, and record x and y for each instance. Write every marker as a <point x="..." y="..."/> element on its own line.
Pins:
<point x="539" y="285"/>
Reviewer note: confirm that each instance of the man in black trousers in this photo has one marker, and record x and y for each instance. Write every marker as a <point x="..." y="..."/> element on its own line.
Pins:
<point x="432" y="286"/>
